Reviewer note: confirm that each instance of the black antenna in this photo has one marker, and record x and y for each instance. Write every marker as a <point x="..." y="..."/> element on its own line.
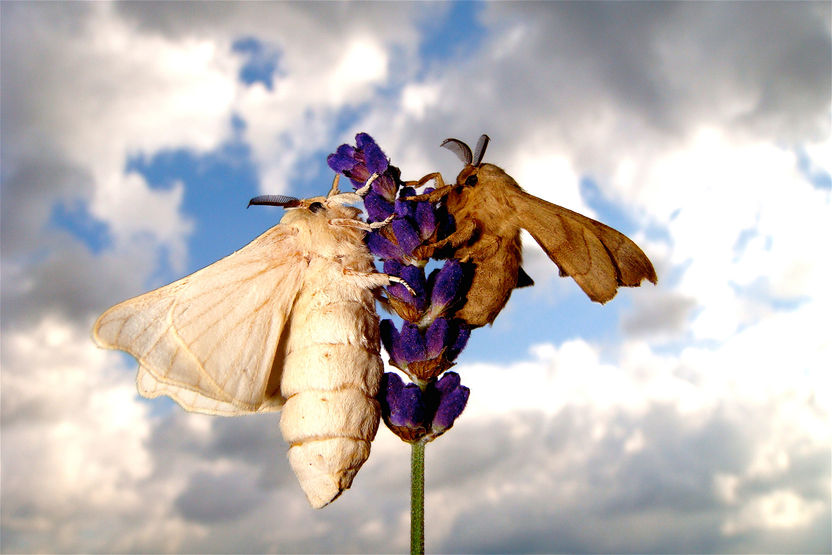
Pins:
<point x="274" y="200"/>
<point x="459" y="148"/>
<point x="482" y="144"/>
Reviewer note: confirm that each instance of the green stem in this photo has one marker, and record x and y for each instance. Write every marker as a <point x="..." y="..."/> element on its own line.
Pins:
<point x="417" y="498"/>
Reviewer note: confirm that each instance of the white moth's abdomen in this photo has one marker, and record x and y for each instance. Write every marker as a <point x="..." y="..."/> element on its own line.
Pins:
<point x="331" y="375"/>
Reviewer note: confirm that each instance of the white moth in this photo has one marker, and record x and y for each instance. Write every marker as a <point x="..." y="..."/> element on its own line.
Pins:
<point x="287" y="322"/>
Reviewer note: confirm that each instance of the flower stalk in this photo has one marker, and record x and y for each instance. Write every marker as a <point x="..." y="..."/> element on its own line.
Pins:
<point x="417" y="498"/>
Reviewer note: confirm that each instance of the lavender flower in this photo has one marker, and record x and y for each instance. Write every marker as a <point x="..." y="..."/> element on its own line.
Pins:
<point x="428" y="342"/>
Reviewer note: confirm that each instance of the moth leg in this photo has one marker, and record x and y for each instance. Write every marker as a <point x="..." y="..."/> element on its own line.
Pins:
<point x="366" y="188"/>
<point x="348" y="222"/>
<point x="377" y="225"/>
<point x="461" y="236"/>
<point x="334" y="189"/>
<point x="374" y="280"/>
<point x="440" y="183"/>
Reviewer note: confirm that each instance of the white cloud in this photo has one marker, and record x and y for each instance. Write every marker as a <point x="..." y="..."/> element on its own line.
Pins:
<point x="73" y="436"/>
<point x="778" y="509"/>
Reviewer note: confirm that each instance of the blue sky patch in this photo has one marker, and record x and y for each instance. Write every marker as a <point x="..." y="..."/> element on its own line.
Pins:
<point x="218" y="185"/>
<point x="458" y="34"/>
<point x="261" y="61"/>
<point x="75" y="218"/>
<point x="816" y="175"/>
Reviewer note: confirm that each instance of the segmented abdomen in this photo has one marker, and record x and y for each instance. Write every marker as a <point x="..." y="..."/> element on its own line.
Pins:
<point x="330" y="379"/>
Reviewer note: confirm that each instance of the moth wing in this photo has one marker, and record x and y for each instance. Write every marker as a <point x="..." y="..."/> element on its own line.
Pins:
<point x="596" y="256"/>
<point x="211" y="341"/>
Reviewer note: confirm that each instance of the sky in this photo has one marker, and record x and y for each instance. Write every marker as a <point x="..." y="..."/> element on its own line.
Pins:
<point x="691" y="416"/>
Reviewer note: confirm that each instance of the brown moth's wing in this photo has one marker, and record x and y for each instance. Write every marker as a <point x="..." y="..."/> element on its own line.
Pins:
<point x="210" y="341"/>
<point x="596" y="256"/>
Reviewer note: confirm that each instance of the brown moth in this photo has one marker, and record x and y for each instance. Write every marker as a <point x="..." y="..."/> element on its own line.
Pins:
<point x="287" y="322"/>
<point x="490" y="209"/>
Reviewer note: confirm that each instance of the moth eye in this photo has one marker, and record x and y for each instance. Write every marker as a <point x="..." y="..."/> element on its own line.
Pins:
<point x="316" y="207"/>
<point x="471" y="180"/>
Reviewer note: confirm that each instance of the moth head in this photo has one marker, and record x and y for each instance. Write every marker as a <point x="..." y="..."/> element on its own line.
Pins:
<point x="473" y="161"/>
<point x="334" y="205"/>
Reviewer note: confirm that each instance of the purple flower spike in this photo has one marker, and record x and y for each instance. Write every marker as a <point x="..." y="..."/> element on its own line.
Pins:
<point x="453" y="396"/>
<point x="446" y="284"/>
<point x="402" y="405"/>
<point x="406" y="235"/>
<point x="378" y="208"/>
<point x="411" y="343"/>
<point x="436" y="337"/>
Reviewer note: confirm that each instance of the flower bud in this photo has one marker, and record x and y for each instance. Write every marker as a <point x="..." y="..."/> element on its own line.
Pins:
<point x="406" y="305"/>
<point x="452" y="397"/>
<point x="414" y="414"/>
<point x="406" y="235"/>
<point x="378" y="208"/>
<point x="402" y="407"/>
<point x="446" y="286"/>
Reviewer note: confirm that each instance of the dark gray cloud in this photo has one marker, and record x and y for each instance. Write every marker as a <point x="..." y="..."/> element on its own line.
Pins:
<point x="599" y="497"/>
<point x="209" y="498"/>
<point x="62" y="277"/>
<point x="664" y="314"/>
<point x="599" y="81"/>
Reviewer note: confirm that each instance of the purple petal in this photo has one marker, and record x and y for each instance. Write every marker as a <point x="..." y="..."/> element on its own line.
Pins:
<point x="447" y="283"/>
<point x="415" y="277"/>
<point x="406" y="235"/>
<point x="437" y="337"/>
<point x="389" y="337"/>
<point x="392" y="267"/>
<point x="452" y="400"/>
<point x="386" y="186"/>
<point x="403" y="404"/>
<point x="405" y="209"/>
<point x="358" y="176"/>
<point x="343" y="160"/>
<point x="383" y="248"/>
<point x="374" y="158"/>
<point x="412" y="344"/>
<point x="425" y="219"/>
<point x="378" y="209"/>
<point x="363" y="139"/>
<point x="462" y="335"/>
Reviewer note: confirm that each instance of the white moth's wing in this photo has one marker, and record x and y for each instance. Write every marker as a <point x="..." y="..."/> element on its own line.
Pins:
<point x="210" y="341"/>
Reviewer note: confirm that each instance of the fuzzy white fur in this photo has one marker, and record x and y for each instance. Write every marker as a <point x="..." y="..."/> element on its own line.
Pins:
<point x="288" y="321"/>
